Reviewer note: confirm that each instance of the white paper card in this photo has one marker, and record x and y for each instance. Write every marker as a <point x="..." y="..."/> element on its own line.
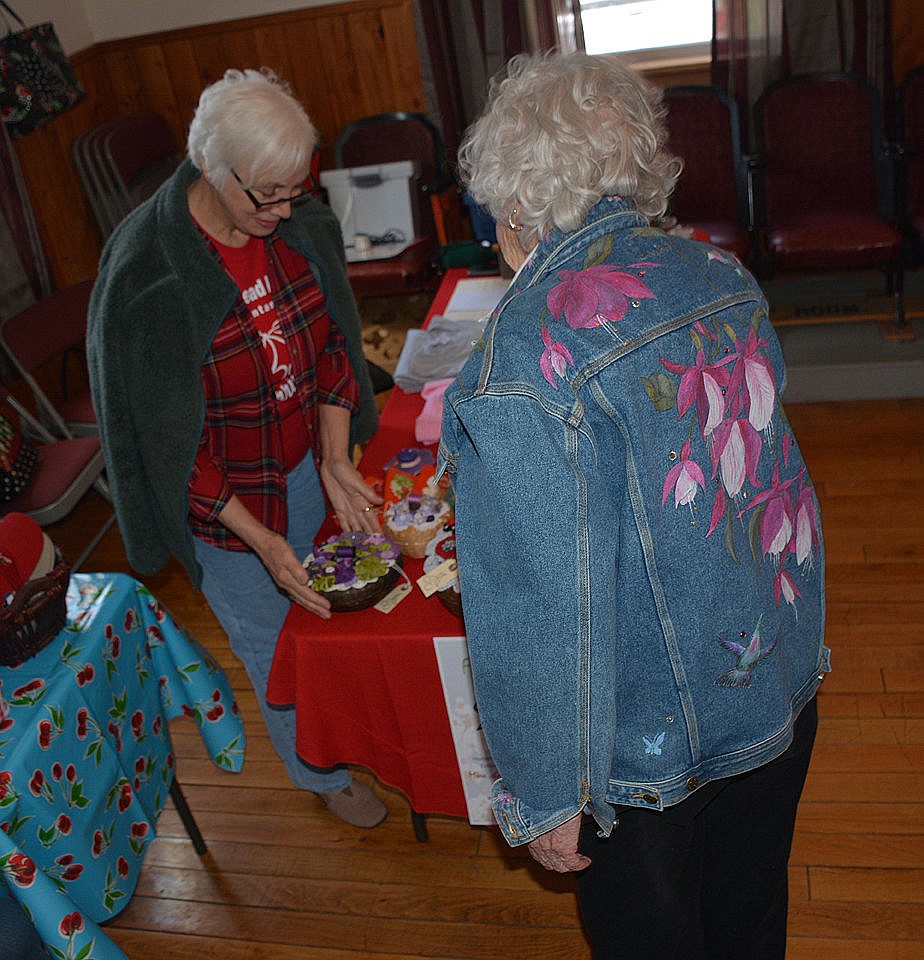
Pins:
<point x="394" y="597"/>
<point x="438" y="577"/>
<point x="475" y="297"/>
<point x="475" y="764"/>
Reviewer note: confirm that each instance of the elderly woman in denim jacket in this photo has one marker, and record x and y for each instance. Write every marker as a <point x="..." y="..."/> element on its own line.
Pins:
<point x="639" y="541"/>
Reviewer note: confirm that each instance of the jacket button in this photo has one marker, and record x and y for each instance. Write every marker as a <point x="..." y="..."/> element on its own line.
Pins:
<point x="692" y="783"/>
<point x="649" y="798"/>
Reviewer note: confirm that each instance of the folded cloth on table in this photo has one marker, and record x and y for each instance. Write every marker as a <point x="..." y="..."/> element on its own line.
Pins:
<point x="427" y="425"/>
<point x="435" y="353"/>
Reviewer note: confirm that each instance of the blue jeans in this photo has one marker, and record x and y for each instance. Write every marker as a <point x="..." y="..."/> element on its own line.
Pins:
<point x="251" y="609"/>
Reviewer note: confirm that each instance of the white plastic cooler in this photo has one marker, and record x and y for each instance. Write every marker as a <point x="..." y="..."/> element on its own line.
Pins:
<point x="379" y="201"/>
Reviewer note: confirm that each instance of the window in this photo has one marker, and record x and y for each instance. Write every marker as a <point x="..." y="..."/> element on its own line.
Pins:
<point x="648" y="30"/>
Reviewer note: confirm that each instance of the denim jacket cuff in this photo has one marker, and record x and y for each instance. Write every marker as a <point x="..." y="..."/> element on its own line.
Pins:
<point x="521" y="824"/>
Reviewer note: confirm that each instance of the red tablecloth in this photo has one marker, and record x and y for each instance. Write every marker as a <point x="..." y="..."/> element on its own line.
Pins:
<point x="366" y="685"/>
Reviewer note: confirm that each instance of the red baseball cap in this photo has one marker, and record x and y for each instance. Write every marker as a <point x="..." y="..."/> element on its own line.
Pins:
<point x="26" y="552"/>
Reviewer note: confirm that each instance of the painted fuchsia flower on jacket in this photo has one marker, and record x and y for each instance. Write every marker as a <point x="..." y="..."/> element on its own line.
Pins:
<point x="586" y="298"/>
<point x="555" y="358"/>
<point x="730" y="392"/>
<point x="686" y="479"/>
<point x="703" y="384"/>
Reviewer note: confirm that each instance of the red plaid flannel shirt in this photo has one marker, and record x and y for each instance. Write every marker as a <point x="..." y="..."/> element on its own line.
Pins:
<point x="241" y="451"/>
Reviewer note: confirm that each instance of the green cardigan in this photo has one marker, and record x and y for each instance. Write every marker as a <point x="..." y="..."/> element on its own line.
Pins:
<point x="156" y="306"/>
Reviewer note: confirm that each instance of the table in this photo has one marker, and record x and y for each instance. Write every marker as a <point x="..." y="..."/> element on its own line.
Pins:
<point x="85" y="756"/>
<point x="366" y="685"/>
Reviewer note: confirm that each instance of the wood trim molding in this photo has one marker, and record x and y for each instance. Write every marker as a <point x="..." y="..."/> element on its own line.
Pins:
<point x="342" y="60"/>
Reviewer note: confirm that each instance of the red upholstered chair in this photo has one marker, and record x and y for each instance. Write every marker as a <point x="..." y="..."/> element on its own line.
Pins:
<point x="141" y="153"/>
<point x="42" y="337"/>
<point x="389" y="138"/>
<point x="64" y="472"/>
<point x="122" y="162"/>
<point x="911" y="138"/>
<point x="712" y="193"/>
<point x="824" y="179"/>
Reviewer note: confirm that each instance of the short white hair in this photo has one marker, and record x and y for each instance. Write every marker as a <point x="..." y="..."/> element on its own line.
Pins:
<point x="249" y="120"/>
<point x="561" y="131"/>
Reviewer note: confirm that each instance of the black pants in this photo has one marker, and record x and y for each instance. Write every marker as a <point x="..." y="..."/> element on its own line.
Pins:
<point x="706" y="879"/>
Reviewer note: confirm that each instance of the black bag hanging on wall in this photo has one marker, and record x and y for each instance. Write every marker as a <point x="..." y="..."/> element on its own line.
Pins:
<point x="37" y="81"/>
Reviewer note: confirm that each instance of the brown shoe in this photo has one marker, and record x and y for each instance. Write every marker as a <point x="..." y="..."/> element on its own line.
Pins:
<point x="356" y="805"/>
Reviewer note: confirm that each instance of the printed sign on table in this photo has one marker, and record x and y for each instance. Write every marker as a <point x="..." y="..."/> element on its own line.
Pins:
<point x="475" y="764"/>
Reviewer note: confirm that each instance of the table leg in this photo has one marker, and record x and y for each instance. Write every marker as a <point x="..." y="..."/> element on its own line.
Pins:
<point x="420" y="826"/>
<point x="189" y="821"/>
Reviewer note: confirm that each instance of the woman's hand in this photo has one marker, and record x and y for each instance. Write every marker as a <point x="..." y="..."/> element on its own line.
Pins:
<point x="353" y="501"/>
<point x="558" y="849"/>
<point x="276" y="555"/>
<point x="290" y="576"/>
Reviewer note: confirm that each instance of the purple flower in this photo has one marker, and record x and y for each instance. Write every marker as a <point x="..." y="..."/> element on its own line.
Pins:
<point x="344" y="571"/>
<point x="555" y="358"/>
<point x="585" y="298"/>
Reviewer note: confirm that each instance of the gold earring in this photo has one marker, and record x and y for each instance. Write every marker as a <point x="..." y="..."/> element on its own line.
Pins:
<point x="515" y="227"/>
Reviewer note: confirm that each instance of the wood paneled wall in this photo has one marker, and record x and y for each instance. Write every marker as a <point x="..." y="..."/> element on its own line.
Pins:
<point x="907" y="37"/>
<point x="343" y="61"/>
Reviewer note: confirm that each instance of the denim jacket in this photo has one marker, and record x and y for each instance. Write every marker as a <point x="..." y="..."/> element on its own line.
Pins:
<point x="639" y="542"/>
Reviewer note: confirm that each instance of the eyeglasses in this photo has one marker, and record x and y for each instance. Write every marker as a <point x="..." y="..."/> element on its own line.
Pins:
<point x="295" y="199"/>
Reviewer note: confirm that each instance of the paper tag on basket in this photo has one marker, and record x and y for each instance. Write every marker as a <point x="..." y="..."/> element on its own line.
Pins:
<point x="392" y="599"/>
<point x="438" y="577"/>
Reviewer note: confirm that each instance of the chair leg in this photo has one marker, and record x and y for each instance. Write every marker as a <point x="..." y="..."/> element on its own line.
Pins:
<point x="897" y="329"/>
<point x="899" y="292"/>
<point x="91" y="546"/>
<point x="189" y="821"/>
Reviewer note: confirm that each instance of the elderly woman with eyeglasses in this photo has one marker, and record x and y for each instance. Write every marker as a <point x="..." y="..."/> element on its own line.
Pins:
<point x="229" y="380"/>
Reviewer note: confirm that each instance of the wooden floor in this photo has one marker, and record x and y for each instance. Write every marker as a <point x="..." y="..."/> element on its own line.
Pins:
<point x="283" y="880"/>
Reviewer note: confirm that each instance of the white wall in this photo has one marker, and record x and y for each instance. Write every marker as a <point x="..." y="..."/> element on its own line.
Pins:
<point x="81" y="23"/>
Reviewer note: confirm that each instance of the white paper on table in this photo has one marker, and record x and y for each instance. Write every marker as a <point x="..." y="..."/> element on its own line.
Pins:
<point x="475" y="297"/>
<point x="475" y="764"/>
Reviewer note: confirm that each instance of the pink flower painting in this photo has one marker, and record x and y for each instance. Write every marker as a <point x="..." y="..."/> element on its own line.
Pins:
<point x="555" y="358"/>
<point x="586" y="298"/>
<point x="685" y="478"/>
<point x="728" y="398"/>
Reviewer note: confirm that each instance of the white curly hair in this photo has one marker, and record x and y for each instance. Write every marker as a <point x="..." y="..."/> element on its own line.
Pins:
<point x="561" y="131"/>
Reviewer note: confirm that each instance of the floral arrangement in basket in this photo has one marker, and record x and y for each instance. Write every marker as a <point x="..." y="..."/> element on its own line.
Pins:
<point x="354" y="570"/>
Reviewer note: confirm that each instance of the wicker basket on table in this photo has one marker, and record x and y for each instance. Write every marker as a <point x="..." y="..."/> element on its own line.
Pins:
<point x="429" y="514"/>
<point x="36" y="614"/>
<point x="337" y="569"/>
<point x="441" y="548"/>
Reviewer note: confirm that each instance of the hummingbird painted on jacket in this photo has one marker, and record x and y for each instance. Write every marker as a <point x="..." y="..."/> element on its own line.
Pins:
<point x="748" y="658"/>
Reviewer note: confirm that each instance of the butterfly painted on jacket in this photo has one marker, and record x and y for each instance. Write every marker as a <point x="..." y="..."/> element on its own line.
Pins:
<point x="653" y="747"/>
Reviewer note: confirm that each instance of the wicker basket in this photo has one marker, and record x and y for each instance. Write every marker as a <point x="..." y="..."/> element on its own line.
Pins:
<point x="36" y="615"/>
<point x="413" y="543"/>
<point x="411" y="539"/>
<point x="451" y="599"/>
<point x="344" y="601"/>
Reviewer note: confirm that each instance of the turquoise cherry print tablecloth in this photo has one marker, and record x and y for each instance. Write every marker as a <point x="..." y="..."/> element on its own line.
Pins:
<point x="85" y="756"/>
